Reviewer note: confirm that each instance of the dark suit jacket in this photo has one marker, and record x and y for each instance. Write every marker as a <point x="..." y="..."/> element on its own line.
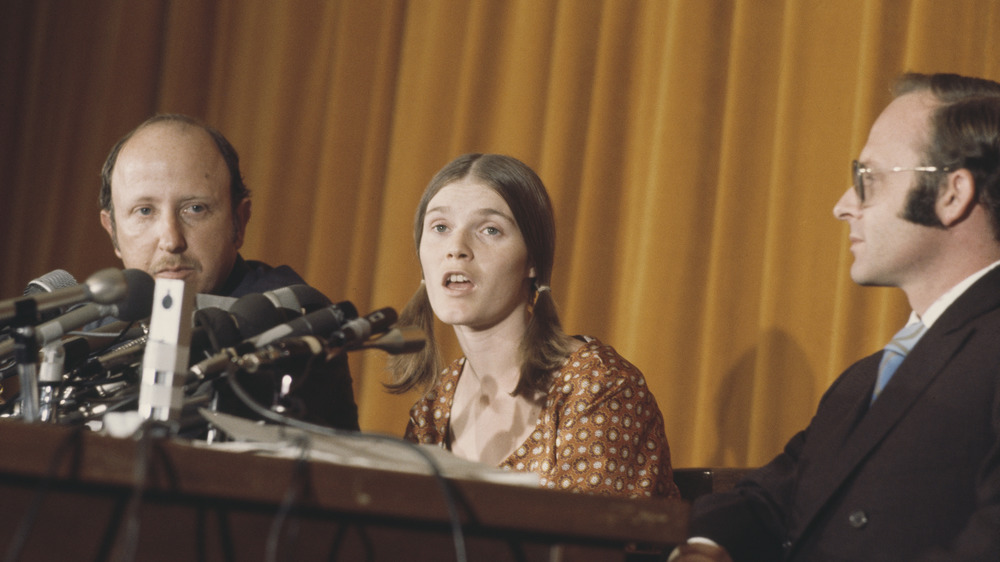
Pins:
<point x="914" y="477"/>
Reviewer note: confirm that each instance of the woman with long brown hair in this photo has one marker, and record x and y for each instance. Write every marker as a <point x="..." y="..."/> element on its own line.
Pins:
<point x="526" y="395"/>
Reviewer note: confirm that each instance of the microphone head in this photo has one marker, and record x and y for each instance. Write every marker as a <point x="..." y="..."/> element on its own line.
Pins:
<point x="218" y="326"/>
<point x="300" y="298"/>
<point x="327" y="320"/>
<point x="382" y="319"/>
<point x="138" y="301"/>
<point x="318" y="322"/>
<point x="358" y="330"/>
<point x="408" y="339"/>
<point x="107" y="286"/>
<point x="51" y="281"/>
<point x="255" y="313"/>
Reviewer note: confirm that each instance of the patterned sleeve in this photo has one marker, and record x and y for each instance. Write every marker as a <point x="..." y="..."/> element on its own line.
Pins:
<point x="610" y="437"/>
<point x="429" y="417"/>
<point x="421" y="427"/>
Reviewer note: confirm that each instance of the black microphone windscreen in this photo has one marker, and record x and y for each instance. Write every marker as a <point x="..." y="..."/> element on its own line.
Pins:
<point x="301" y="298"/>
<point x="138" y="302"/>
<point x="77" y="349"/>
<point x="255" y="313"/>
<point x="318" y="323"/>
<point x="218" y="326"/>
<point x="358" y="330"/>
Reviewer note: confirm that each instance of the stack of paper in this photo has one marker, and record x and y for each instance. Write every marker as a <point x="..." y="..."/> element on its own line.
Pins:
<point x="367" y="450"/>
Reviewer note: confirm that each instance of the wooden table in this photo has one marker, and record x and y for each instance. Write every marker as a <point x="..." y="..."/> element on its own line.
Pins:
<point x="68" y="491"/>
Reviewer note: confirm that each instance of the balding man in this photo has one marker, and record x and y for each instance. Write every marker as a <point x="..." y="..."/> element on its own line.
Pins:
<point x="175" y="205"/>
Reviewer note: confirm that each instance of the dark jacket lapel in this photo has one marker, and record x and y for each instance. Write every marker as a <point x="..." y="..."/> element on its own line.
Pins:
<point x="845" y="435"/>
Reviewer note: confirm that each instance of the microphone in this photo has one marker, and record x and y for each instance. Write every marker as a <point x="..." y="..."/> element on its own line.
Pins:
<point x="322" y="321"/>
<point x="299" y="298"/>
<point x="123" y="355"/>
<point x="56" y="279"/>
<point x="215" y="364"/>
<point x="217" y="329"/>
<point x="214" y="329"/>
<point x="80" y="347"/>
<point x="51" y="281"/>
<point x="50" y="371"/>
<point x="254" y="313"/>
<point x="318" y="322"/>
<point x="408" y="339"/>
<point x="105" y="287"/>
<point x="353" y="332"/>
<point x="165" y="361"/>
<point x="136" y="305"/>
<point x="288" y="348"/>
<point x="359" y="330"/>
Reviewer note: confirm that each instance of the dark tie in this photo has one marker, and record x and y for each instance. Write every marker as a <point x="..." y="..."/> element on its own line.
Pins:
<point x="894" y="353"/>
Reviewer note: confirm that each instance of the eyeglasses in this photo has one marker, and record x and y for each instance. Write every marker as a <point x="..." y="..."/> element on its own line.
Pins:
<point x="861" y="174"/>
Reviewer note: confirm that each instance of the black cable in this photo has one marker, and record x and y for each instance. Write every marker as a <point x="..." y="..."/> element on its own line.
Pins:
<point x="225" y="535"/>
<point x="110" y="534"/>
<point x="16" y="546"/>
<point x="140" y="471"/>
<point x="147" y="432"/>
<point x="295" y="489"/>
<point x="450" y="501"/>
<point x="341" y="536"/>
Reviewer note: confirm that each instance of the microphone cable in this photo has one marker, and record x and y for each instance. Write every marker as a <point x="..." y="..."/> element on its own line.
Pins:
<point x="297" y="487"/>
<point x="69" y="445"/>
<point x="148" y="432"/>
<point x="451" y="502"/>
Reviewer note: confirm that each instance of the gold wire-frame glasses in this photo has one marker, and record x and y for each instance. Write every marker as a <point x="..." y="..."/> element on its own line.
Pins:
<point x="859" y="172"/>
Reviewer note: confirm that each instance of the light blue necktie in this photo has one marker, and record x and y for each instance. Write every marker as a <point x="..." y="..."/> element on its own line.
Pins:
<point x="894" y="353"/>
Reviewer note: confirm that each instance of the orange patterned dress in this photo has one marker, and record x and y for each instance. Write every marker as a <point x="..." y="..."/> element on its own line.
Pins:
<point x="599" y="431"/>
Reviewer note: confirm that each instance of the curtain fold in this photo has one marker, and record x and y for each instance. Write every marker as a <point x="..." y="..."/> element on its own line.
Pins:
<point x="693" y="150"/>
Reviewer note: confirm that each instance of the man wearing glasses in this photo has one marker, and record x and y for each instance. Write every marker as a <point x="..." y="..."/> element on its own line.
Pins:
<point x="902" y="459"/>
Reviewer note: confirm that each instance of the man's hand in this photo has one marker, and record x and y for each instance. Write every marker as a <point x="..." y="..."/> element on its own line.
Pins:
<point x="699" y="552"/>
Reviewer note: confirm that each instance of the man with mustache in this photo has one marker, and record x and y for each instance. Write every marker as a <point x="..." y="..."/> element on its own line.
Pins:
<point x="175" y="205"/>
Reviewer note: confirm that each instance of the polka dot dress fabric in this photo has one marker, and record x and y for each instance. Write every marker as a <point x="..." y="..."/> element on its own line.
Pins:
<point x="600" y="430"/>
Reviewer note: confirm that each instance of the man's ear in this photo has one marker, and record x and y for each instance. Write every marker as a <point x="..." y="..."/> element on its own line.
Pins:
<point x="958" y="198"/>
<point x="109" y="226"/>
<point x="240" y="220"/>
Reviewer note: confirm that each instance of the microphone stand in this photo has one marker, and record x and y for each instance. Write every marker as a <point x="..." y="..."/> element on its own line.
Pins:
<point x="26" y="356"/>
<point x="49" y="376"/>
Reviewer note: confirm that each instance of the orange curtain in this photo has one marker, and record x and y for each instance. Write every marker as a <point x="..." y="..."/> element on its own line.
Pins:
<point x="693" y="150"/>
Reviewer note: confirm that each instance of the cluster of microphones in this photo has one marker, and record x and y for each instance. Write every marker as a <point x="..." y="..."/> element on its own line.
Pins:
<point x="81" y="350"/>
